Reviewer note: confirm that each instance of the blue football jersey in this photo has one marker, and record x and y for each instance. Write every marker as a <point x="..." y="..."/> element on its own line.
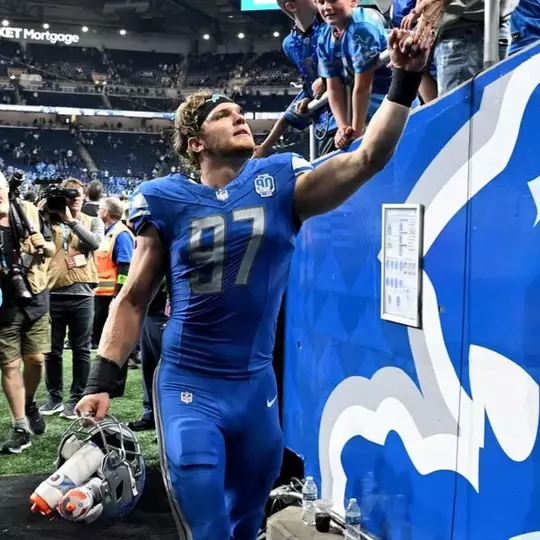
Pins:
<point x="229" y="255"/>
<point x="356" y="51"/>
<point x="400" y="9"/>
<point x="525" y="24"/>
<point x="301" y="49"/>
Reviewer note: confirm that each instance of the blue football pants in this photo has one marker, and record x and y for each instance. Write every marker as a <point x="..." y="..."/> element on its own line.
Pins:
<point x="221" y="449"/>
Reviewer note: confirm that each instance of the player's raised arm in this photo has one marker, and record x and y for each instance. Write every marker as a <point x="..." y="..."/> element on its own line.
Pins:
<point x="331" y="183"/>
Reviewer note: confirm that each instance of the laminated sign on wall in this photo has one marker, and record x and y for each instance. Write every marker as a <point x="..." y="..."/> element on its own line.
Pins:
<point x="401" y="265"/>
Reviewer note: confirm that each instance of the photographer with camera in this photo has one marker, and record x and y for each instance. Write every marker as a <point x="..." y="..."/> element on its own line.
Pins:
<point x="73" y="278"/>
<point x="25" y="250"/>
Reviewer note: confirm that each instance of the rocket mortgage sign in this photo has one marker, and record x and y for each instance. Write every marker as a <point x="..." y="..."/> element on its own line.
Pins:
<point x="53" y="38"/>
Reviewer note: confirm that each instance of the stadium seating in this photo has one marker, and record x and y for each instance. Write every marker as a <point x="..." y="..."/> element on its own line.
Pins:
<point x="65" y="63"/>
<point x="63" y="99"/>
<point x="136" y="81"/>
<point x="213" y="71"/>
<point x="126" y="154"/>
<point x="135" y="103"/>
<point x="7" y="96"/>
<point x="254" y="102"/>
<point x="143" y="68"/>
<point x="45" y="153"/>
<point x="10" y="56"/>
<point x="272" y="69"/>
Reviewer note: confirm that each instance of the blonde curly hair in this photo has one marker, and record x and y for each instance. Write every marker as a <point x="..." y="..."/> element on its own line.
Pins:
<point x="186" y="125"/>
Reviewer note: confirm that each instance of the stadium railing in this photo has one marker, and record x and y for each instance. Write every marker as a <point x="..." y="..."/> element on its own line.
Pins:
<point x="491" y="57"/>
<point x="317" y="104"/>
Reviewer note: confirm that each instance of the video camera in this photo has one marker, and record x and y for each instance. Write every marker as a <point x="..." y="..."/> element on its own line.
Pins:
<point x="15" y="181"/>
<point x="58" y="197"/>
<point x="23" y="228"/>
<point x="20" y="289"/>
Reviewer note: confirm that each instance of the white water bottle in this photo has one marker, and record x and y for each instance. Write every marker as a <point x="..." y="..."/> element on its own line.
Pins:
<point x="70" y="446"/>
<point x="82" y="504"/>
<point x="76" y="470"/>
<point x="352" y="520"/>
<point x="309" y="496"/>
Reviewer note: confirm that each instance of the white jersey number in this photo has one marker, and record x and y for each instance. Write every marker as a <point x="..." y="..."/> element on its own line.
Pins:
<point x="216" y="253"/>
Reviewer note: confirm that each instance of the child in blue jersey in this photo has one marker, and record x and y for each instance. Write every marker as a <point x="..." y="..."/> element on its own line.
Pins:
<point x="225" y="245"/>
<point x="300" y="46"/>
<point x="349" y="49"/>
<point x="525" y="25"/>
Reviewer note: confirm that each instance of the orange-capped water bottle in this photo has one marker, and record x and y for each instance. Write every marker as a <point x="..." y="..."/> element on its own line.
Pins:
<point x="74" y="472"/>
<point x="82" y="504"/>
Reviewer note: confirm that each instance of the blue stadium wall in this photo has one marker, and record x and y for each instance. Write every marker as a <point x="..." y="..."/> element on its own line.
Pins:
<point x="433" y="430"/>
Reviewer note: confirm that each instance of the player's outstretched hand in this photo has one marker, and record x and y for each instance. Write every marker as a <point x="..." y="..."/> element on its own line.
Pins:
<point x="428" y="14"/>
<point x="402" y="55"/>
<point x="95" y="405"/>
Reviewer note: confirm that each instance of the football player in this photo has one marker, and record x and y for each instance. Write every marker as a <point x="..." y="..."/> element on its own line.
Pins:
<point x="225" y="245"/>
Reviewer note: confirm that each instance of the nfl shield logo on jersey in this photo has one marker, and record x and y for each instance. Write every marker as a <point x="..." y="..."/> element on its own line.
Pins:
<point x="222" y="194"/>
<point x="265" y="185"/>
<point x="186" y="397"/>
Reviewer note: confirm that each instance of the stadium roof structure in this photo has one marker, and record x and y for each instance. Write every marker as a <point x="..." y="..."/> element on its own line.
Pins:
<point x="220" y="18"/>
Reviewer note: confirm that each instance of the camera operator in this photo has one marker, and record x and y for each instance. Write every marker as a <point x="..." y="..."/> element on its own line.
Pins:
<point x="72" y="279"/>
<point x="25" y="250"/>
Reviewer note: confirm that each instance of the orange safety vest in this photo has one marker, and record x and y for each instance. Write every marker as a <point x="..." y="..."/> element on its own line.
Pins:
<point x="107" y="269"/>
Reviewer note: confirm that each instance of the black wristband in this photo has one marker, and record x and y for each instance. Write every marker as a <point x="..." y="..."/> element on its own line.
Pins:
<point x="104" y="377"/>
<point x="404" y="86"/>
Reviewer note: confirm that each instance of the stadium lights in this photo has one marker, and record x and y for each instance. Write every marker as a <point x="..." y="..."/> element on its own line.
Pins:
<point x="5" y="22"/>
<point x="123" y="32"/>
<point x="46" y="26"/>
<point x="206" y="36"/>
<point x="241" y="35"/>
<point x="276" y="34"/>
<point x="84" y="29"/>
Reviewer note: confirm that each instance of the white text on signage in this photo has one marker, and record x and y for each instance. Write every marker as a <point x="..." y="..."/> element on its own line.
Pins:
<point x="37" y="35"/>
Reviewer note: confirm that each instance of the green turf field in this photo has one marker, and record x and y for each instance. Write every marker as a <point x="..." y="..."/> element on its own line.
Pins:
<point x="40" y="456"/>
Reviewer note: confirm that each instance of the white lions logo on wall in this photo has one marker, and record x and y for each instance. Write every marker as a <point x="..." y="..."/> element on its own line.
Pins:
<point x="265" y="185"/>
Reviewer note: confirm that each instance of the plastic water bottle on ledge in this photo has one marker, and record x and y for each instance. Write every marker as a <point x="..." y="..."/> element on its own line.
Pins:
<point x="352" y="520"/>
<point x="309" y="496"/>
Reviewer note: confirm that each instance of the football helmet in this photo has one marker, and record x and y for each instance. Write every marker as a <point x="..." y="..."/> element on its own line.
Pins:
<point x="123" y="470"/>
